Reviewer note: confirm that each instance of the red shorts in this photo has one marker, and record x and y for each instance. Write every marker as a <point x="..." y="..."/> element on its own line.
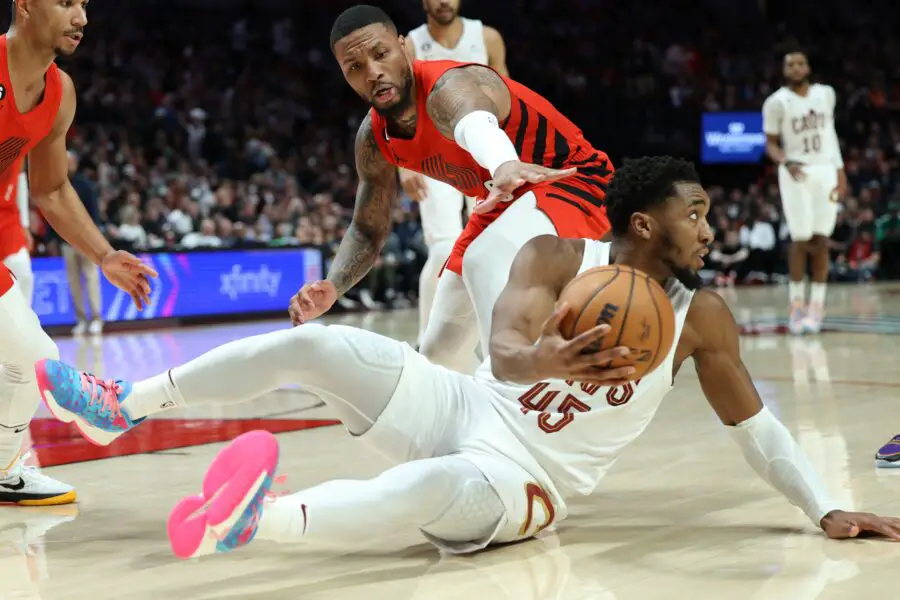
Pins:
<point x="573" y="217"/>
<point x="6" y="279"/>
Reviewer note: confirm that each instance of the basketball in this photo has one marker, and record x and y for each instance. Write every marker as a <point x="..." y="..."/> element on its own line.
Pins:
<point x="635" y="306"/>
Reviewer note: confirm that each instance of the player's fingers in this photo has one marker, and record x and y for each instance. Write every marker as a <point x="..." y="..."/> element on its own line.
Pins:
<point x="144" y="284"/>
<point x="602" y="358"/>
<point x="891" y="531"/>
<point x="136" y="298"/>
<point x="551" y="325"/>
<point x="486" y="205"/>
<point x="586" y="338"/>
<point x="555" y="174"/>
<point x="145" y="269"/>
<point x="304" y="301"/>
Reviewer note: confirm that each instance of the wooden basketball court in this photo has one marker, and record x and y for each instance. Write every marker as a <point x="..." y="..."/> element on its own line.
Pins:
<point x="680" y="516"/>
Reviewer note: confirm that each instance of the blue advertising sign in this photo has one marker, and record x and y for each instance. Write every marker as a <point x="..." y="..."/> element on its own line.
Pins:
<point x="189" y="285"/>
<point x="732" y="138"/>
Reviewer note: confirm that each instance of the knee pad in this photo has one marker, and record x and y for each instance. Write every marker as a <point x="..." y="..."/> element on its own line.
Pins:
<point x="472" y="515"/>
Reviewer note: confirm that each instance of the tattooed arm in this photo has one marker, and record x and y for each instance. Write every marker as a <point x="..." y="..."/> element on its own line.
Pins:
<point x="371" y="222"/>
<point x="465" y="90"/>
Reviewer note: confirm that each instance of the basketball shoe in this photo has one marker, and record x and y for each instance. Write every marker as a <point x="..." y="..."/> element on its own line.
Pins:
<point x="25" y="485"/>
<point x="796" y="319"/>
<point x="225" y="516"/>
<point x="93" y="405"/>
<point x="814" y="317"/>
<point x="888" y="456"/>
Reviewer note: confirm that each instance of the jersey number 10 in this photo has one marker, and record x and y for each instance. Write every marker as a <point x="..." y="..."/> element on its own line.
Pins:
<point x="812" y="143"/>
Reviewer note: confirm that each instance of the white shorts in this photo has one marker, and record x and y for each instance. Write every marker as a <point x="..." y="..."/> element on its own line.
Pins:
<point x="810" y="206"/>
<point x="441" y="212"/>
<point x="438" y="412"/>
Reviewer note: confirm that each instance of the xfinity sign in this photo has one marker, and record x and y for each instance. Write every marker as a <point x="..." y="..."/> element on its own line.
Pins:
<point x="729" y="137"/>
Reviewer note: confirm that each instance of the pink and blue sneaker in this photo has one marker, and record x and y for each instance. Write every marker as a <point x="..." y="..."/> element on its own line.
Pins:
<point x="226" y="514"/>
<point x="93" y="405"/>
<point x="888" y="456"/>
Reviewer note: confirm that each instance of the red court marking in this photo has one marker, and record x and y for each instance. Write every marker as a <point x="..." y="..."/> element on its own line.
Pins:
<point x="58" y="443"/>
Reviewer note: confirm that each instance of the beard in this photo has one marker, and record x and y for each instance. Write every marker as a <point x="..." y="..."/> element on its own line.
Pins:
<point x="404" y="101"/>
<point x="687" y="277"/>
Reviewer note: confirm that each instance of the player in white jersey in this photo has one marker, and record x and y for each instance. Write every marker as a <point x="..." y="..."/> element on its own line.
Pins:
<point x="445" y="36"/>
<point x="480" y="460"/>
<point x="799" y="123"/>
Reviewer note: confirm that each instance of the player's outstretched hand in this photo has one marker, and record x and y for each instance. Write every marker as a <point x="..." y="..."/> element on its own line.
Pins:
<point x="840" y="525"/>
<point x="313" y="300"/>
<point x="131" y="275"/>
<point x="558" y="358"/>
<point x="413" y="184"/>
<point x="512" y="175"/>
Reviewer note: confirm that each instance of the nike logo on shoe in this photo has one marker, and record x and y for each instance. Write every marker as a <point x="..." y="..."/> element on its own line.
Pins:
<point x="15" y="428"/>
<point x="14" y="486"/>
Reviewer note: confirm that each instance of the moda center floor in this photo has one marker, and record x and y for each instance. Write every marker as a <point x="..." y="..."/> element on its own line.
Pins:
<point x="680" y="516"/>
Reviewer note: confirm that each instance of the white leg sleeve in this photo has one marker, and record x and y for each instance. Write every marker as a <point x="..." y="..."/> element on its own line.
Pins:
<point x="774" y="454"/>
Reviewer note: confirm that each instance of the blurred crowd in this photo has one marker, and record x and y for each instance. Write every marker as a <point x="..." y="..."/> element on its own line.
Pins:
<point x="222" y="128"/>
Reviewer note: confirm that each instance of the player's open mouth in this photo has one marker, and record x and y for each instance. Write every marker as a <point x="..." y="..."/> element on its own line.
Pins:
<point x="385" y="94"/>
<point x="700" y="256"/>
<point x="75" y="37"/>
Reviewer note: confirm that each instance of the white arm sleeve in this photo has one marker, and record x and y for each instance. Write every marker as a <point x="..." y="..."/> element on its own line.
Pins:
<point x="22" y="200"/>
<point x="773" y="453"/>
<point x="773" y="112"/>
<point x="479" y="134"/>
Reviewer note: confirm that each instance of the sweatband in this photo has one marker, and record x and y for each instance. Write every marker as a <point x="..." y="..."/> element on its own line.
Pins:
<point x="479" y="134"/>
<point x="771" y="450"/>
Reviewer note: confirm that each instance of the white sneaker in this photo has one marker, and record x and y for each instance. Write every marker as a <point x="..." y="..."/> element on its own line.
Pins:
<point x="813" y="321"/>
<point x="26" y="485"/>
<point x="96" y="327"/>
<point x="797" y="319"/>
<point x="80" y="328"/>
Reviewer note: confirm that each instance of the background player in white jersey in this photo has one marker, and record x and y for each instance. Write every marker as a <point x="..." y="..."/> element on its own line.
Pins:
<point x="445" y="36"/>
<point x="481" y="460"/>
<point x="799" y="123"/>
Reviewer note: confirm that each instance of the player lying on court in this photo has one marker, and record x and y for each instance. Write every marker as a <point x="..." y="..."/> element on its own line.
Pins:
<point x="480" y="460"/>
<point x="487" y="136"/>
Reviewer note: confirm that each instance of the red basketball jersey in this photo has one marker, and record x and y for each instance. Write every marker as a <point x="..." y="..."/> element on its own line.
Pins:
<point x="541" y="135"/>
<point x="19" y="134"/>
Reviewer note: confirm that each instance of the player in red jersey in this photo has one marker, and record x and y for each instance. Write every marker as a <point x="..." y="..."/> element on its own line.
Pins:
<point x="15" y="239"/>
<point x="37" y="106"/>
<point x="489" y="137"/>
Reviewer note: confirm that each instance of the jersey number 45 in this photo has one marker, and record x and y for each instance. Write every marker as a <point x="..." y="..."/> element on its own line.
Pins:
<point x="540" y="396"/>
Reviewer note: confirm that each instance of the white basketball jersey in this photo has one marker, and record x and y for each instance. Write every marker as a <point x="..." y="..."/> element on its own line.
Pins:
<point x="576" y="431"/>
<point x="804" y="123"/>
<point x="469" y="48"/>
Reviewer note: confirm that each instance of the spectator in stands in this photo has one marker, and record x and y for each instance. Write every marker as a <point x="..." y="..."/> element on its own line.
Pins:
<point x="861" y="259"/>
<point x="82" y="274"/>
<point x="205" y="238"/>
<point x="727" y="255"/>
<point x="758" y="236"/>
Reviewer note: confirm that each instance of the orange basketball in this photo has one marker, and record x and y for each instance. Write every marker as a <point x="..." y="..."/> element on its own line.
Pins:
<point x="636" y="308"/>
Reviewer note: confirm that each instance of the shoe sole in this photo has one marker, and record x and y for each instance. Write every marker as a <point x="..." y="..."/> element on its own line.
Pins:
<point x="240" y="475"/>
<point x="94" y="435"/>
<point x="886" y="464"/>
<point x="58" y="500"/>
